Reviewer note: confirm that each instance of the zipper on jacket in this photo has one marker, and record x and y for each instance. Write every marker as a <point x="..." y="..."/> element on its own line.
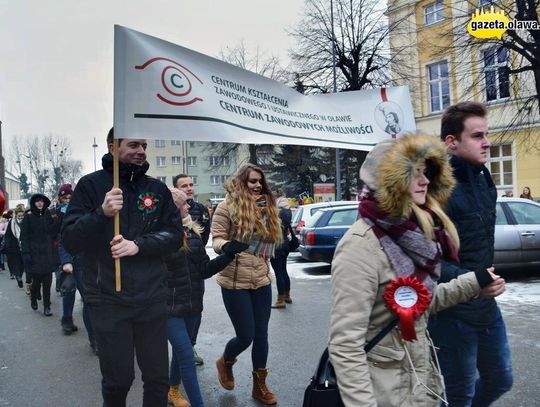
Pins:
<point x="131" y="178"/>
<point x="173" y="297"/>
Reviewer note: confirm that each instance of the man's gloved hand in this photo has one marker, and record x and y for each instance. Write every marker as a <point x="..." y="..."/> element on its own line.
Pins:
<point x="234" y="247"/>
<point x="27" y="260"/>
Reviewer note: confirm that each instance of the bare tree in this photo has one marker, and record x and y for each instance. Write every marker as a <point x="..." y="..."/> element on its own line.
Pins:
<point x="360" y="36"/>
<point x="357" y="40"/>
<point x="261" y="63"/>
<point x="44" y="163"/>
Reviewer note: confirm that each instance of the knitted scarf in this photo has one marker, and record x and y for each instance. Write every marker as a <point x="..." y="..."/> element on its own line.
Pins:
<point x="405" y="244"/>
<point x="258" y="246"/>
<point x="16" y="228"/>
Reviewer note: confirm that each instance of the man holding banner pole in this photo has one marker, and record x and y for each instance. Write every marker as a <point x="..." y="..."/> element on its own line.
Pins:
<point x="131" y="318"/>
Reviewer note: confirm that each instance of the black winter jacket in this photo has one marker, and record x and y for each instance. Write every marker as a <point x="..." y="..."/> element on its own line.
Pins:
<point x="199" y="213"/>
<point x="186" y="272"/>
<point x="38" y="234"/>
<point x="472" y="209"/>
<point x="285" y="215"/>
<point x="12" y="244"/>
<point x="86" y="230"/>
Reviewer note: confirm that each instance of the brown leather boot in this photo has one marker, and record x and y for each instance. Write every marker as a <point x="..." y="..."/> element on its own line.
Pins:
<point x="225" y="373"/>
<point x="287" y="297"/>
<point x="260" y="391"/>
<point x="280" y="302"/>
<point x="176" y="398"/>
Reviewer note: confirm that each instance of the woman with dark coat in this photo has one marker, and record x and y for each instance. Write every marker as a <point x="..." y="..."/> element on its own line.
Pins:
<point x="13" y="246"/>
<point x="40" y="257"/>
<point x="186" y="270"/>
<point x="279" y="261"/>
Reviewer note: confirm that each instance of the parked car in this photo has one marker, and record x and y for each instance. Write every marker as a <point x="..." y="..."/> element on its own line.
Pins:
<point x="322" y="233"/>
<point x="304" y="213"/>
<point x="517" y="234"/>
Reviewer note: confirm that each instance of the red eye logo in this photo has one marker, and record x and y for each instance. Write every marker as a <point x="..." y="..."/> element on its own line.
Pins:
<point x="176" y="82"/>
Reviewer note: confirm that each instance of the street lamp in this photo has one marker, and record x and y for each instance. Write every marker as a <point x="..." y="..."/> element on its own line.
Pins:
<point x="94" y="146"/>
<point x="338" y="163"/>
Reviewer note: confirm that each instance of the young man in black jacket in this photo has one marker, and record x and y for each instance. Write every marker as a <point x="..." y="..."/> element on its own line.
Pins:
<point x="132" y="320"/>
<point x="199" y="213"/>
<point x="472" y="335"/>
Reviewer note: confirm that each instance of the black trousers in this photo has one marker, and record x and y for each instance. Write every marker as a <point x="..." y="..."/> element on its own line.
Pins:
<point x="46" y="281"/>
<point x="123" y="331"/>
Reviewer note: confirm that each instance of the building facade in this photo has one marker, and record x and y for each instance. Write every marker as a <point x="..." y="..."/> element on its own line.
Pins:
<point x="208" y="167"/>
<point x="446" y="65"/>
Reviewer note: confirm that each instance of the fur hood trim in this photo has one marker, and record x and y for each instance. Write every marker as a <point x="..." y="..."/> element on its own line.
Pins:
<point x="399" y="164"/>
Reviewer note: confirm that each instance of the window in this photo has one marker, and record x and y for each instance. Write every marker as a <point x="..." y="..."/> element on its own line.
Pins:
<point x="160" y="161"/>
<point x="500" y="216"/>
<point x="496" y="73"/>
<point x="176" y="142"/>
<point x="194" y="178"/>
<point x="343" y="217"/>
<point x="434" y="12"/>
<point x="525" y="213"/>
<point x="176" y="160"/>
<point x="217" y="161"/>
<point x="439" y="86"/>
<point x="162" y="179"/>
<point x="487" y="3"/>
<point x="159" y="143"/>
<point x="224" y="178"/>
<point x="501" y="166"/>
<point x="214" y="179"/>
<point x="192" y="161"/>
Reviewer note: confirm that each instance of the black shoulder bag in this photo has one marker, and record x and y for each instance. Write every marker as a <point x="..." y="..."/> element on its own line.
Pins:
<point x="322" y="390"/>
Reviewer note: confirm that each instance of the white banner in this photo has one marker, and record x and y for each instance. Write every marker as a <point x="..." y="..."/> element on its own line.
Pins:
<point x="165" y="91"/>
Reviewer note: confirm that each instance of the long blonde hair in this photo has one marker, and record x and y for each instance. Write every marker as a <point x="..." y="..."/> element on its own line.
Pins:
<point x="426" y="223"/>
<point x="246" y="215"/>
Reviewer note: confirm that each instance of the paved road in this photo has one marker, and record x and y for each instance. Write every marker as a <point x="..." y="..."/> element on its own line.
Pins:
<point x="40" y="366"/>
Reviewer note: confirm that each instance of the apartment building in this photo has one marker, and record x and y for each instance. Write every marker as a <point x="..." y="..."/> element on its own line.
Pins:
<point x="446" y="65"/>
<point x="199" y="160"/>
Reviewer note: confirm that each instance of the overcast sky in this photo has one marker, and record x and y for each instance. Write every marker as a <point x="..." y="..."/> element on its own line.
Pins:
<point x="56" y="56"/>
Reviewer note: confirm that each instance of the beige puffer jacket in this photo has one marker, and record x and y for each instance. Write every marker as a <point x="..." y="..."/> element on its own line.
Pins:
<point x="246" y="271"/>
<point x="384" y="377"/>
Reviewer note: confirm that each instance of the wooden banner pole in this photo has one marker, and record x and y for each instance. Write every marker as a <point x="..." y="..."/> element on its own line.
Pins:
<point x="116" y="184"/>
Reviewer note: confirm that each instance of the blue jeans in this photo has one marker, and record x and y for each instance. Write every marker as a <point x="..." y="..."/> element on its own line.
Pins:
<point x="249" y="311"/>
<point x="68" y="302"/>
<point x="464" y="349"/>
<point x="279" y="264"/>
<point x="183" y="362"/>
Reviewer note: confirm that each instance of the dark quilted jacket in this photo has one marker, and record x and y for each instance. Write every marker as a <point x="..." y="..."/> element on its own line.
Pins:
<point x="472" y="209"/>
<point x="186" y="274"/>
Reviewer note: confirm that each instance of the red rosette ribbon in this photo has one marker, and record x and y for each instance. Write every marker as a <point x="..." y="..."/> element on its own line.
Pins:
<point x="408" y="298"/>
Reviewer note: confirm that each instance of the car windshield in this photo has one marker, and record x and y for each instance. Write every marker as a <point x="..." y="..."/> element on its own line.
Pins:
<point x="314" y="219"/>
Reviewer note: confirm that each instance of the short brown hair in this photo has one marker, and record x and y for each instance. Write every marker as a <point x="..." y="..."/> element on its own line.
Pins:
<point x="453" y="119"/>
<point x="110" y="137"/>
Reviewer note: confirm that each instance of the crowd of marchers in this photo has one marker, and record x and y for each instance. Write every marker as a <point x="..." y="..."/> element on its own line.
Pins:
<point x="417" y="266"/>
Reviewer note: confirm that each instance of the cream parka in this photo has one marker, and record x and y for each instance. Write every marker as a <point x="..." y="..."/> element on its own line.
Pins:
<point x="246" y="271"/>
<point x="384" y="377"/>
<point x="395" y="372"/>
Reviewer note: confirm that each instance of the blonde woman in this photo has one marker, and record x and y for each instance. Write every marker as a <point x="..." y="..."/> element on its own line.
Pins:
<point x="388" y="264"/>
<point x="248" y="214"/>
